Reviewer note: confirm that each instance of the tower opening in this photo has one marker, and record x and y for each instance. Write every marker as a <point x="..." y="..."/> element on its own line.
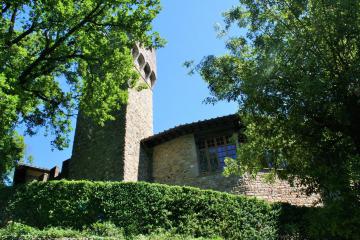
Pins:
<point x="147" y="71"/>
<point x="135" y="52"/>
<point x="141" y="61"/>
<point x="152" y="78"/>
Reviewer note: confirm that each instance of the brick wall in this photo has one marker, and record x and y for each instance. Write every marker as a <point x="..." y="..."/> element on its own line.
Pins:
<point x="175" y="162"/>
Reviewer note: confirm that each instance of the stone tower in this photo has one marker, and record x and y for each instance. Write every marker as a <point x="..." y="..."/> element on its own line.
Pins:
<point x="113" y="152"/>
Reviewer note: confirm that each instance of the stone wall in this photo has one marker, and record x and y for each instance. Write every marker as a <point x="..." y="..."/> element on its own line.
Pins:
<point x="113" y="152"/>
<point x="98" y="151"/>
<point x="139" y="125"/>
<point x="139" y="122"/>
<point x="279" y="191"/>
<point x="175" y="163"/>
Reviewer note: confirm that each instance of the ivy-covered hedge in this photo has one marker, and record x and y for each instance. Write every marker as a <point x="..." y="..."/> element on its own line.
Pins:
<point x="139" y="208"/>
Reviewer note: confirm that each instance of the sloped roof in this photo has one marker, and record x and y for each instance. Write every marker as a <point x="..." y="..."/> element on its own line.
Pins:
<point x="23" y="165"/>
<point x="229" y="121"/>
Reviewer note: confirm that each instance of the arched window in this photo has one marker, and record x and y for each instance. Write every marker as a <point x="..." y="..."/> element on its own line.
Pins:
<point x="135" y="52"/>
<point x="147" y="71"/>
<point x="152" y="78"/>
<point x="141" y="61"/>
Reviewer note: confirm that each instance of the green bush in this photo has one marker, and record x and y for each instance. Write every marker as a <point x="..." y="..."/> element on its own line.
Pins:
<point x="325" y="223"/>
<point x="105" y="229"/>
<point x="140" y="208"/>
<point x="116" y="208"/>
<point x="5" y="194"/>
<point x="16" y="231"/>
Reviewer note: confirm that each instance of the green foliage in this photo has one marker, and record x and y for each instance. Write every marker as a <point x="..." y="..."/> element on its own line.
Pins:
<point x="105" y="229"/>
<point x="294" y="70"/>
<point x="15" y="231"/>
<point x="11" y="153"/>
<point x="59" y="55"/>
<point x="139" y="208"/>
<point x="154" y="211"/>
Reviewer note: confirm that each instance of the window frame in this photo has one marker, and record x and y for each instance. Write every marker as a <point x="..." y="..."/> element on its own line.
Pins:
<point x="214" y="137"/>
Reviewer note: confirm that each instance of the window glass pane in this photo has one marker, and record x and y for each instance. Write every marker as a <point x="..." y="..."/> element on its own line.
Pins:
<point x="221" y="149"/>
<point x="231" y="152"/>
<point x="213" y="152"/>
<point x="210" y="143"/>
<point x="229" y="147"/>
<point x="220" y="141"/>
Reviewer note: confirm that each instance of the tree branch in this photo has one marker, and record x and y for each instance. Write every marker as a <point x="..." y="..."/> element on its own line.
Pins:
<point x="21" y="36"/>
<point x="17" y="39"/>
<point x="303" y="26"/>
<point x="71" y="56"/>
<point x="47" y="51"/>
<point x="12" y="22"/>
<point x="39" y="94"/>
<point x="7" y="6"/>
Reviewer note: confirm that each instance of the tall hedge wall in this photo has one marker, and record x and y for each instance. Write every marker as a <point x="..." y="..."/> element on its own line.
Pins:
<point x="141" y="208"/>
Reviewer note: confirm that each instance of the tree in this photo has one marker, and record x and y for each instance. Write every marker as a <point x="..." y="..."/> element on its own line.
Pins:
<point x="59" y="55"/>
<point x="295" y="73"/>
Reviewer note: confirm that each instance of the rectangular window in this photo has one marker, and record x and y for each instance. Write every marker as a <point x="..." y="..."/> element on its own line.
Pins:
<point x="213" y="151"/>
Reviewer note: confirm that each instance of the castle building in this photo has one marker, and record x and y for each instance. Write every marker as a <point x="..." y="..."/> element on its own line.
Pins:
<point x="191" y="154"/>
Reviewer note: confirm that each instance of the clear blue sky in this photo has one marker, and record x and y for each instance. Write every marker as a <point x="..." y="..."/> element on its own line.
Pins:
<point x="188" y="26"/>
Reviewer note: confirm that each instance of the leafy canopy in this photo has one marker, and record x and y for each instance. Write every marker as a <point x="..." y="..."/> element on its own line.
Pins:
<point x="295" y="74"/>
<point x="57" y="54"/>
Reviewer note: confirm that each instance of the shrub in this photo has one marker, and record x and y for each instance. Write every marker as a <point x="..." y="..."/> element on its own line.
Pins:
<point x="5" y="194"/>
<point x="140" y="208"/>
<point x="16" y="231"/>
<point x="328" y="223"/>
<point x="116" y="208"/>
<point x="105" y="229"/>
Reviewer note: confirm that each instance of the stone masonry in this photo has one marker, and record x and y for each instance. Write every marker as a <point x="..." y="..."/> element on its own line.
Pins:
<point x="139" y="118"/>
<point x="113" y="152"/>
<point x="139" y="107"/>
<point x="98" y="151"/>
<point x="175" y="163"/>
